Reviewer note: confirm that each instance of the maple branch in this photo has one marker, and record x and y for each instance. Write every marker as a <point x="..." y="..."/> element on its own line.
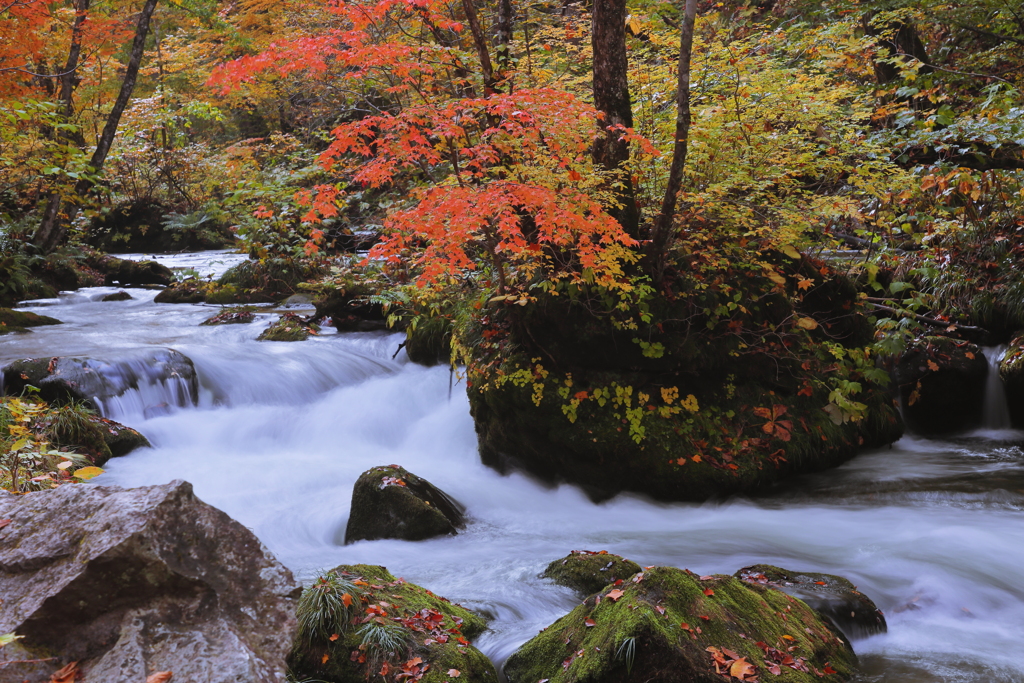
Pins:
<point x="990" y="34"/>
<point x="934" y="322"/>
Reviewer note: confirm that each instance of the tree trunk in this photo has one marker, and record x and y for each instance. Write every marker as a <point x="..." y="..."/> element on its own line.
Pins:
<point x="480" y="42"/>
<point x="663" y="224"/>
<point x="503" y="38"/>
<point x="611" y="98"/>
<point x="53" y="228"/>
<point x="902" y="40"/>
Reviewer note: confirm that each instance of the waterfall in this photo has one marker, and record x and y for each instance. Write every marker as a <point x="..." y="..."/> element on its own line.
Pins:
<point x="995" y="411"/>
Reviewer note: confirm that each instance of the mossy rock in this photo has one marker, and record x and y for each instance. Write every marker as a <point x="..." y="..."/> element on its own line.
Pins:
<point x="670" y="625"/>
<point x="231" y="316"/>
<point x="117" y="296"/>
<point x="430" y="341"/>
<point x="191" y="291"/>
<point x="74" y="427"/>
<point x="832" y="596"/>
<point x="351" y="309"/>
<point x="131" y="273"/>
<point x="587" y="572"/>
<point x="17" y="321"/>
<point x="942" y="384"/>
<point x="434" y="635"/>
<point x="391" y="502"/>
<point x="1011" y="372"/>
<point x="289" y="328"/>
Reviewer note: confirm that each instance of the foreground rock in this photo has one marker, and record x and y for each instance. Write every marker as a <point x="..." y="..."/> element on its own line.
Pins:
<point x="17" y="321"/>
<point x="128" y="582"/>
<point x="829" y="595"/>
<point x="391" y="502"/>
<point x="942" y="384"/>
<point x="160" y="375"/>
<point x="385" y="627"/>
<point x="1011" y="372"/>
<point x="588" y="572"/>
<point x="86" y="433"/>
<point x="668" y="624"/>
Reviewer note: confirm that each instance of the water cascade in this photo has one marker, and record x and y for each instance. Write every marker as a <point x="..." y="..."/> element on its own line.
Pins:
<point x="930" y="529"/>
<point x="995" y="411"/>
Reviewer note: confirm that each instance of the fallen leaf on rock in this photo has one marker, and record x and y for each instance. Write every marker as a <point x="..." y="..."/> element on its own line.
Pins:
<point x="742" y="669"/>
<point x="160" y="677"/>
<point x="708" y="591"/>
<point x="454" y="673"/>
<point x="589" y="623"/>
<point x="334" y="637"/>
<point x="66" y="674"/>
<point x="614" y="594"/>
<point x="4" y="522"/>
<point x="325" y="658"/>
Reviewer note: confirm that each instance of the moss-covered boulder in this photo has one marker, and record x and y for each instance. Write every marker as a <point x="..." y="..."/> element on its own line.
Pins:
<point x="668" y="624"/>
<point x="1011" y="371"/>
<point x="942" y="385"/>
<point x="722" y="385"/>
<point x="232" y="316"/>
<point x="832" y="596"/>
<point x="351" y="309"/>
<point x="588" y="571"/>
<point x="289" y="328"/>
<point x="131" y="273"/>
<point x="76" y="428"/>
<point x="17" y="321"/>
<point x="391" y="502"/>
<point x="117" y="296"/>
<point x="358" y="622"/>
<point x="191" y="291"/>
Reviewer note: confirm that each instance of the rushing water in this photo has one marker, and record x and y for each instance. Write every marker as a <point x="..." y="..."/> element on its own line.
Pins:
<point x="930" y="529"/>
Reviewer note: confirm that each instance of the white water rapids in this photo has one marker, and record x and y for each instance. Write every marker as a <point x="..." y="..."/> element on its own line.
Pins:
<point x="929" y="529"/>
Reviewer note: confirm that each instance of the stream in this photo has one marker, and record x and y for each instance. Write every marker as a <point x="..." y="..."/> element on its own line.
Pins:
<point x="928" y="528"/>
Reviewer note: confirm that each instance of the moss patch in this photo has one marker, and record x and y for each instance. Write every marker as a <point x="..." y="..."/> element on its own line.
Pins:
<point x="588" y="572"/>
<point x="289" y="328"/>
<point x="433" y="631"/>
<point x="16" y="321"/>
<point x="232" y="316"/>
<point x="662" y="624"/>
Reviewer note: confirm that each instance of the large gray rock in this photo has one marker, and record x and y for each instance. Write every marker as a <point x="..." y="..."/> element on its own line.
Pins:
<point x="160" y="375"/>
<point x="133" y="581"/>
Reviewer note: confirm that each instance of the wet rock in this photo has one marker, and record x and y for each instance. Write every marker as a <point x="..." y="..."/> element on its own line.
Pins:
<point x="587" y="571"/>
<point x="132" y="581"/>
<point x="409" y="630"/>
<point x="351" y="309"/>
<point x="117" y="296"/>
<point x="289" y="328"/>
<point x="668" y="624"/>
<point x="16" y="321"/>
<point x="832" y="596"/>
<point x="191" y="291"/>
<point x="391" y="502"/>
<point x="63" y="379"/>
<point x="231" y="316"/>
<point x="132" y="273"/>
<point x="429" y="342"/>
<point x="942" y="385"/>
<point x="1011" y="372"/>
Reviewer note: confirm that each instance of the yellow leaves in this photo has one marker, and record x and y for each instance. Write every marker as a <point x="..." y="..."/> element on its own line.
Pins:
<point x="669" y="394"/>
<point x="86" y="473"/>
<point x="807" y="323"/>
<point x="7" y="638"/>
<point x="690" y="404"/>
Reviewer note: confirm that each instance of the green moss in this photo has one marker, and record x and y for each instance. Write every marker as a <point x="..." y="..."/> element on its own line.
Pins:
<point x="429" y="341"/>
<point x="672" y="617"/>
<point x="288" y="328"/>
<point x="232" y="316"/>
<point x="589" y="572"/>
<point x="16" y="321"/>
<point x="433" y="629"/>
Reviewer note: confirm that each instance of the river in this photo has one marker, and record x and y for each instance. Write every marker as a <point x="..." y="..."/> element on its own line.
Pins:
<point x="930" y="529"/>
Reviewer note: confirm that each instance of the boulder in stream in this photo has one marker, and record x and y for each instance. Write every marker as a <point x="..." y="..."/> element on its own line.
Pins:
<point x="942" y="384"/>
<point x="117" y="296"/>
<point x="1011" y="372"/>
<point x="391" y="502"/>
<point x="16" y="321"/>
<point x="84" y="432"/>
<point x="129" y="273"/>
<point x="128" y="582"/>
<point x="667" y="624"/>
<point x="588" y="571"/>
<point x="288" y="328"/>
<point x="359" y="621"/>
<point x="62" y="379"/>
<point x="831" y="596"/>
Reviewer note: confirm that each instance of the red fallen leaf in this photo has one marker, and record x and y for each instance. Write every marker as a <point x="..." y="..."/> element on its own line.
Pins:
<point x="742" y="669"/>
<point x="4" y="522"/>
<point x="589" y="623"/>
<point x="659" y="609"/>
<point x="442" y="639"/>
<point x="354" y="656"/>
<point x="828" y="669"/>
<point x="160" y="677"/>
<point x="614" y="594"/>
<point x="346" y="599"/>
<point x="454" y="673"/>
<point x="429" y="641"/>
<point x="731" y="654"/>
<point x="774" y="668"/>
<point x="706" y="578"/>
<point x="334" y="637"/>
<point x="821" y="583"/>
<point x="617" y="582"/>
<point x="705" y="617"/>
<point x="360" y="582"/>
<point x="325" y="658"/>
<point x="415" y="661"/>
<point x="685" y="627"/>
<point x="384" y="669"/>
<point x="566" y="663"/>
<point x="708" y="591"/>
<point x="461" y="641"/>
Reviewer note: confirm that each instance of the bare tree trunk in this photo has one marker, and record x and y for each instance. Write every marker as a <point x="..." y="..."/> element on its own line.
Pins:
<point x="663" y="229"/>
<point x="611" y="98"/>
<point x="503" y="39"/>
<point x="53" y="228"/>
<point x="901" y="39"/>
<point x="480" y="42"/>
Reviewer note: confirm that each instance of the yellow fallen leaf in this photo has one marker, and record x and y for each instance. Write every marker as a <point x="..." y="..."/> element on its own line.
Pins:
<point x="88" y="472"/>
<point x="807" y="323"/>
